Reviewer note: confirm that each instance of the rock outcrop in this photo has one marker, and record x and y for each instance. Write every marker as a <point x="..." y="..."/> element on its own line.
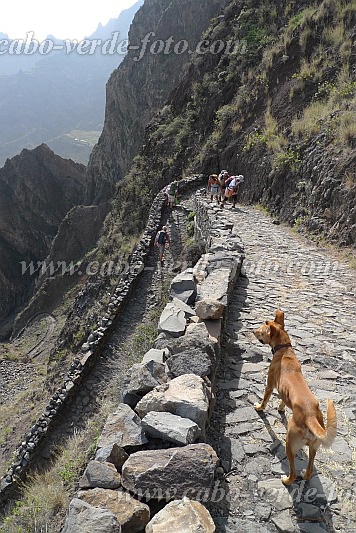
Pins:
<point x="182" y="516"/>
<point x="172" y="473"/>
<point x="37" y="190"/>
<point x="142" y="83"/>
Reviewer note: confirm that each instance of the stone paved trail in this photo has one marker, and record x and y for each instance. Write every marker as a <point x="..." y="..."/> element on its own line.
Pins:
<point x="317" y="294"/>
<point x="105" y="379"/>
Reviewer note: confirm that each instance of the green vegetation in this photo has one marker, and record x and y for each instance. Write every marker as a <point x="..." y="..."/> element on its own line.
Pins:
<point x="300" y="221"/>
<point x="46" y="495"/>
<point x="141" y="341"/>
<point x="289" y="158"/>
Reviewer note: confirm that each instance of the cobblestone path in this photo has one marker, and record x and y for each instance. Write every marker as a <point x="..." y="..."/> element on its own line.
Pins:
<point x="317" y="293"/>
<point x="128" y="340"/>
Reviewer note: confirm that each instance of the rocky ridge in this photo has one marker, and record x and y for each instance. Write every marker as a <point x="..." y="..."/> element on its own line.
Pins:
<point x="277" y="110"/>
<point x="142" y="83"/>
<point x="38" y="189"/>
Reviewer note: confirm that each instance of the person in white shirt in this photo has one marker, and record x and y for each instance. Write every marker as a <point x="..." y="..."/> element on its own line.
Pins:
<point x="231" y="189"/>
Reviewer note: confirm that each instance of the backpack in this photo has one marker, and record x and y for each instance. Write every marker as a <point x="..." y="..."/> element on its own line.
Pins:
<point x="161" y="237"/>
<point x="173" y="188"/>
<point x="229" y="180"/>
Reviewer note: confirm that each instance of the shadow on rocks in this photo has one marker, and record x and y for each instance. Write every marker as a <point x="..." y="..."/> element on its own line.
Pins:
<point x="229" y="450"/>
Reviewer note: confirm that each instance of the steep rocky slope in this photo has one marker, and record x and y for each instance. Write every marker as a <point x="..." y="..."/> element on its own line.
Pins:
<point x="280" y="109"/>
<point x="276" y="106"/>
<point x="37" y="189"/>
<point x="135" y="91"/>
<point x="140" y="86"/>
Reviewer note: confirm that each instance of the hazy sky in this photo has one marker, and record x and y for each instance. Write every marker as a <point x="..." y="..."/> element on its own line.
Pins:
<point x="65" y="19"/>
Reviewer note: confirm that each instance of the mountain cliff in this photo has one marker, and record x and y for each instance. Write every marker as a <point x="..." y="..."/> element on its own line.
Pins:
<point x="59" y="98"/>
<point x="270" y="94"/>
<point x="142" y="83"/>
<point x="37" y="189"/>
<point x="276" y="104"/>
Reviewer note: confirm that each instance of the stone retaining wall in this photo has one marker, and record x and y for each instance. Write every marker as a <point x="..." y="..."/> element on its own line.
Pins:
<point x="151" y="454"/>
<point x="91" y="349"/>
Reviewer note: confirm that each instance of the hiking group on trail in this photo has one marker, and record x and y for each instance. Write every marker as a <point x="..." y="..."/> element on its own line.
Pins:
<point x="223" y="187"/>
<point x="220" y="188"/>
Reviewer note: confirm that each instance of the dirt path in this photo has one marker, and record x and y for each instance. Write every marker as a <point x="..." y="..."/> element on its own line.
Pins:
<point x="42" y="344"/>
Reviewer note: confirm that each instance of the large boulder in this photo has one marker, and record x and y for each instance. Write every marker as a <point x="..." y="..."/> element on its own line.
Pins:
<point x="154" y="355"/>
<point x="184" y="288"/>
<point x="188" y="311"/>
<point x="194" y="361"/>
<point x="172" y="321"/>
<point x="170" y="427"/>
<point x="141" y="378"/>
<point x="216" y="285"/>
<point x="186" y="396"/>
<point x="100" y="474"/>
<point x="129" y="512"/>
<point x="214" y="328"/>
<point x="172" y="473"/>
<point x="112" y="454"/>
<point x="182" y="516"/>
<point x="123" y="428"/>
<point x="196" y="338"/>
<point x="84" y="518"/>
<point x="209" y="309"/>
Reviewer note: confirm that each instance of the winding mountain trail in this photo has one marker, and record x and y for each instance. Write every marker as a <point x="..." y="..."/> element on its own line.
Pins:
<point x="316" y="290"/>
<point x="128" y="342"/>
<point x="41" y="345"/>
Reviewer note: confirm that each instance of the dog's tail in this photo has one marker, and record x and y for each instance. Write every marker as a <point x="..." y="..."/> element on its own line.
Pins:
<point x="327" y="435"/>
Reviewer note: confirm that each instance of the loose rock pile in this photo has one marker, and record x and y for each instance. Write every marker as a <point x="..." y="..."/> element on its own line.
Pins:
<point x="151" y="454"/>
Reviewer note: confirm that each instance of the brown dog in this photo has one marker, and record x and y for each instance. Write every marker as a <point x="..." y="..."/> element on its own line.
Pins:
<point x="306" y="426"/>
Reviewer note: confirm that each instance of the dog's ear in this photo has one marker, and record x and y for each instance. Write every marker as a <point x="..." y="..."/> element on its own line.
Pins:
<point x="279" y="318"/>
<point x="273" y="330"/>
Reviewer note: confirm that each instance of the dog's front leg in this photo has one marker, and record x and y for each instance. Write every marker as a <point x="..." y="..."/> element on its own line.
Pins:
<point x="281" y="406"/>
<point x="268" y="391"/>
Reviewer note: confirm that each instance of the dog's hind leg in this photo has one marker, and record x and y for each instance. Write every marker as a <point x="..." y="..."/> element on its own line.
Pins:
<point x="307" y="474"/>
<point x="293" y="445"/>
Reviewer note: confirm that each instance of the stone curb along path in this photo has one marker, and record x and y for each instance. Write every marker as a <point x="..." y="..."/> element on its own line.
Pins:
<point x="152" y="470"/>
<point x="317" y="293"/>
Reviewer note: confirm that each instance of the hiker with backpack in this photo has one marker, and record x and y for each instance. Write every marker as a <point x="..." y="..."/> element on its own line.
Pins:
<point x="223" y="176"/>
<point x="172" y="194"/>
<point x="232" y="184"/>
<point x="161" y="239"/>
